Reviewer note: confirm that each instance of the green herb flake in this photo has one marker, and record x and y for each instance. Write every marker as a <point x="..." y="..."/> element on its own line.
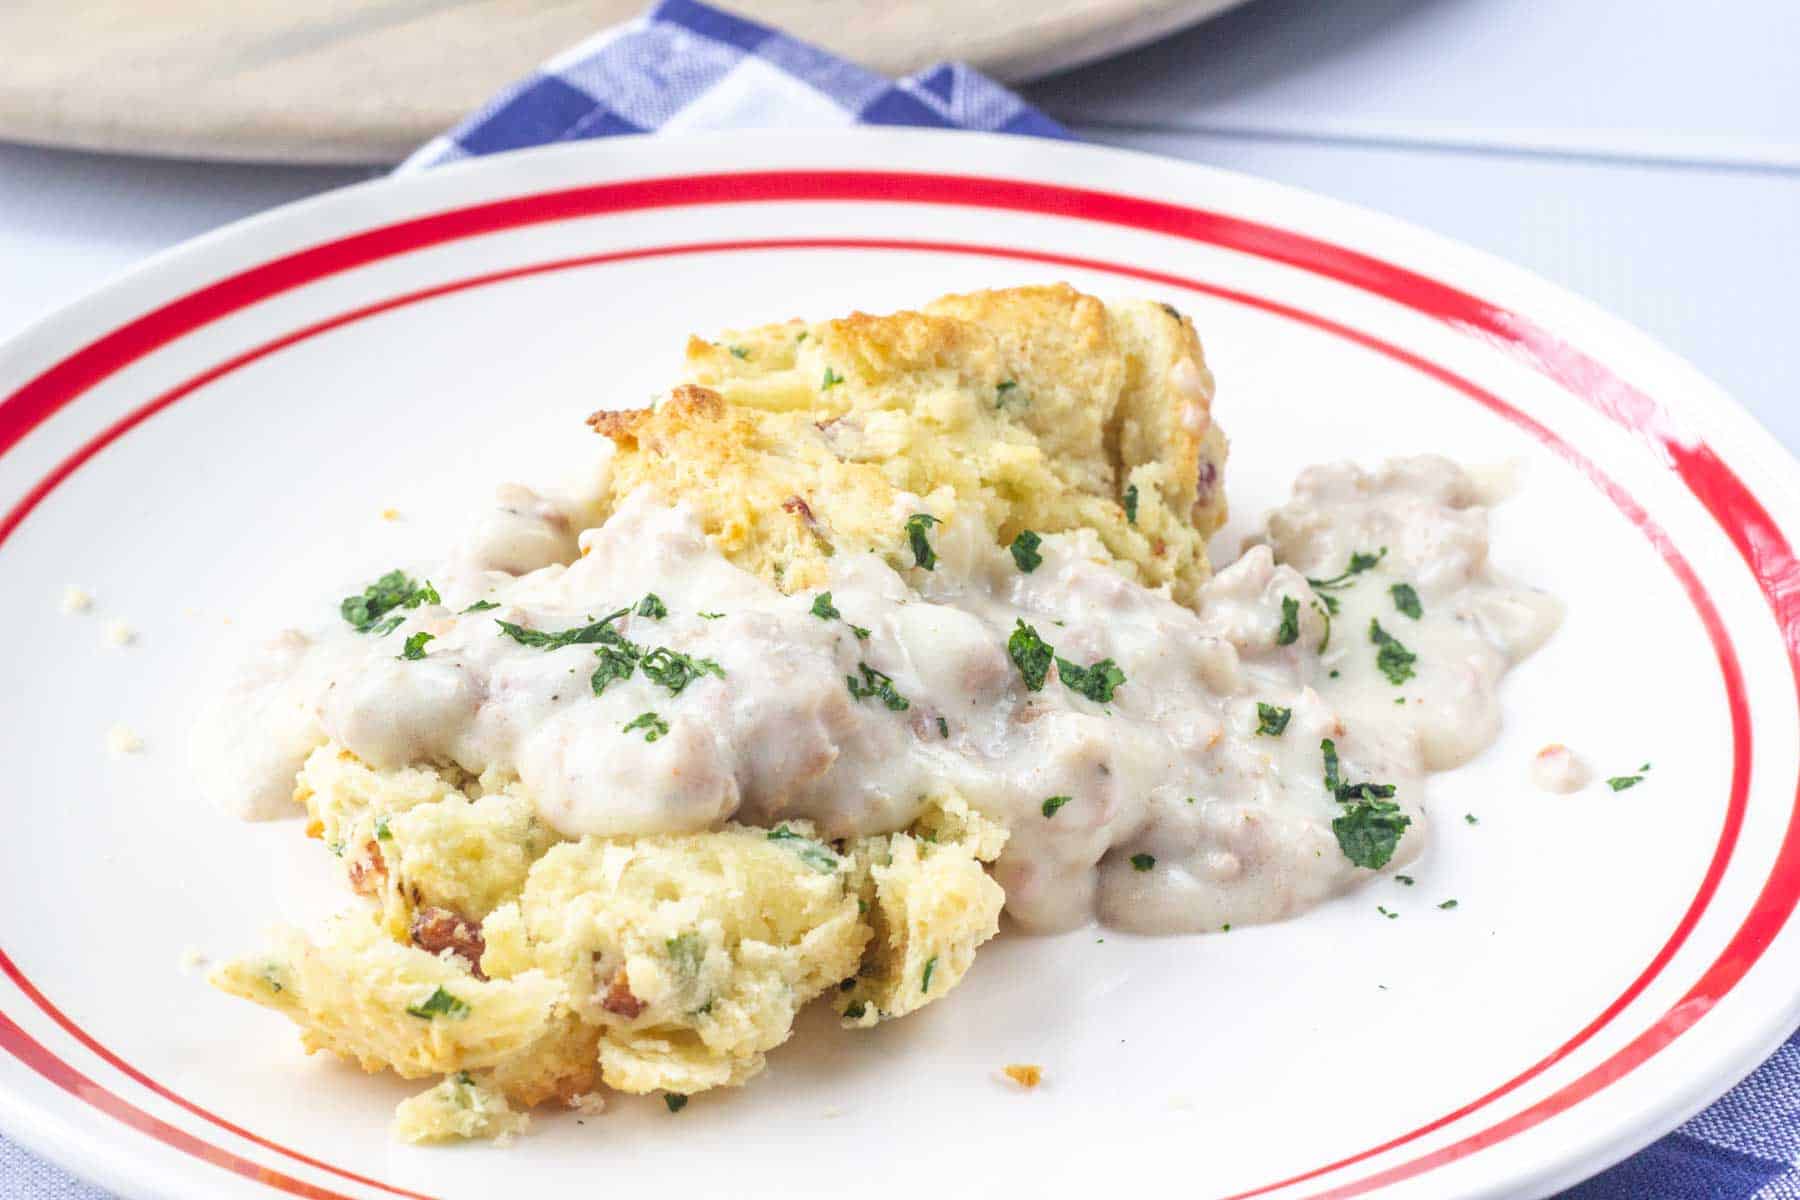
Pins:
<point x="1471" y="819"/>
<point x="674" y="1101"/>
<point x="831" y="380"/>
<point x="823" y="608"/>
<point x="1370" y="826"/>
<point x="1289" y="633"/>
<point x="394" y="590"/>
<point x="675" y="670"/>
<point x="1326" y="606"/>
<point x="854" y="1010"/>
<point x="415" y="646"/>
<point x="706" y="616"/>
<point x="652" y="606"/>
<point x="1447" y="905"/>
<point x="1359" y="562"/>
<point x="1272" y="721"/>
<point x="943" y="728"/>
<point x="1031" y="654"/>
<point x="1406" y="600"/>
<point x="1025" y="551"/>
<point x="925" y="976"/>
<point x="813" y="854"/>
<point x="1053" y="804"/>
<point x="877" y="684"/>
<point x="652" y="725"/>
<point x="439" y="1004"/>
<point x="581" y="635"/>
<point x="1394" y="659"/>
<point x="616" y="662"/>
<point x="1619" y="783"/>
<point x="917" y="527"/>
<point x="381" y="830"/>
<point x="1131" y="503"/>
<point x="1001" y="389"/>
<point x="1390" y="915"/>
<point x="861" y="632"/>
<point x="687" y="951"/>
<point x="480" y="606"/>
<point x="739" y="352"/>
<point x="1142" y="862"/>
<point x="1096" y="682"/>
<point x="1404" y="879"/>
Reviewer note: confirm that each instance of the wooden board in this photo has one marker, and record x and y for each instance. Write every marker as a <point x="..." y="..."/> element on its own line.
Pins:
<point x="366" y="81"/>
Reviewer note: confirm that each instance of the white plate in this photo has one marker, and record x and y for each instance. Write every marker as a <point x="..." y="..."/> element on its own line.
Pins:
<point x="214" y="438"/>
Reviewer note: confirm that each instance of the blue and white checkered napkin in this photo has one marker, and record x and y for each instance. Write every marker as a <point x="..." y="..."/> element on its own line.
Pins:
<point x="686" y="67"/>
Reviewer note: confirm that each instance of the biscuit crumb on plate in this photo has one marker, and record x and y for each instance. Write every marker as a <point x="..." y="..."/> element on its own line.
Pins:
<point x="1026" y="1075"/>
<point x="390" y="514"/>
<point x="118" y="633"/>
<point x="192" y="959"/>
<point x="121" y="741"/>
<point x="75" y="600"/>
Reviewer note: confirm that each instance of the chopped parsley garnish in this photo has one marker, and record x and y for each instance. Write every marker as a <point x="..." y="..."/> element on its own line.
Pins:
<point x="674" y="1101"/>
<point x="1142" y="862"/>
<point x="675" y="670"/>
<point x="687" y="951"/>
<point x="1619" y="783"/>
<point x="1407" y="600"/>
<point x="598" y="631"/>
<point x="1327" y="607"/>
<point x="1448" y="904"/>
<point x="1025" y="550"/>
<point x="813" y="854"/>
<point x="616" y="662"/>
<point x="1000" y="390"/>
<point x="943" y="728"/>
<point x="831" y="380"/>
<point x="439" y="1004"/>
<point x="1371" y="824"/>
<point x="393" y="590"/>
<point x="1359" y="562"/>
<point x="706" y="616"/>
<point x="881" y="686"/>
<point x="1054" y="803"/>
<point x="823" y="608"/>
<point x="917" y="526"/>
<point x="381" y="829"/>
<point x="652" y="606"/>
<point x="1096" y="682"/>
<point x="738" y="352"/>
<point x="1386" y="913"/>
<point x="1131" y="503"/>
<point x="480" y="606"/>
<point x="1395" y="660"/>
<point x="415" y="646"/>
<point x="1272" y="721"/>
<point x="1289" y="633"/>
<point x="861" y="632"/>
<point x="1471" y="819"/>
<point x="1404" y="879"/>
<point x="1031" y="654"/>
<point x="652" y="725"/>
<point x="925" y="977"/>
<point x="855" y="1009"/>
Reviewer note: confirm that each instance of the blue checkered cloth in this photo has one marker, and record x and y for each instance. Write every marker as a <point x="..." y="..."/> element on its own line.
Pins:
<point x="682" y="67"/>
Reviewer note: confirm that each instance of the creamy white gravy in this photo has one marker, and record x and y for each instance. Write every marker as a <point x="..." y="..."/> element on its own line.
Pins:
<point x="1180" y="815"/>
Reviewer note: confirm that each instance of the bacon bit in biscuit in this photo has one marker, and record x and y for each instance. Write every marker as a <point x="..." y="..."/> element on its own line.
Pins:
<point x="795" y="504"/>
<point x="368" y="872"/>
<point x="1026" y="1075"/>
<point x="619" y="999"/>
<point x="435" y="930"/>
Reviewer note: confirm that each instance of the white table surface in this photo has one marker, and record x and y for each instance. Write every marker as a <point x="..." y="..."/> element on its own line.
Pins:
<point x="1645" y="153"/>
